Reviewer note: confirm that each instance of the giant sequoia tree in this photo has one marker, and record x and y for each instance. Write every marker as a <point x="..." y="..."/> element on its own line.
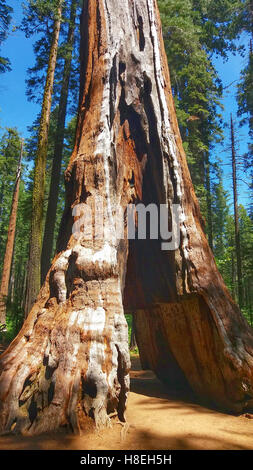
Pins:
<point x="70" y="361"/>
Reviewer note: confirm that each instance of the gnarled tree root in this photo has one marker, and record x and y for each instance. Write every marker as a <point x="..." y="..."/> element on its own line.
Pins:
<point x="69" y="363"/>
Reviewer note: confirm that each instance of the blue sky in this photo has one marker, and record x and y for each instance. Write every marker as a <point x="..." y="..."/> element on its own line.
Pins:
<point x="229" y="72"/>
<point x="17" y="111"/>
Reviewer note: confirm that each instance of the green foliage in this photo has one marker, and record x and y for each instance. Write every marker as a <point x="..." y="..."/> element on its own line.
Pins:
<point x="42" y="22"/>
<point x="221" y="23"/>
<point x="196" y="87"/>
<point x="246" y="238"/>
<point x="226" y="258"/>
<point x="14" y="320"/>
<point x="245" y="111"/>
<point x="245" y="92"/>
<point x="39" y="16"/>
<point x="9" y="156"/>
<point x="129" y="319"/>
<point x="220" y="211"/>
<point x="31" y="147"/>
<point x="195" y="30"/>
<point x="10" y="144"/>
<point x="68" y="148"/>
<point x="5" y="19"/>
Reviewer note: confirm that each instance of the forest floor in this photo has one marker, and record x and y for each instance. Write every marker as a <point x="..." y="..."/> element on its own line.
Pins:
<point x="157" y="421"/>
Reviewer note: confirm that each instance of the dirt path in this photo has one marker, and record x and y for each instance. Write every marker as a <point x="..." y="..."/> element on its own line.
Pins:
<point x="157" y="421"/>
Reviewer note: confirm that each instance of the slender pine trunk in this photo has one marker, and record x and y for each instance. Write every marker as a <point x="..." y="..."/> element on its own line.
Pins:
<point x="236" y="216"/>
<point x="10" y="243"/>
<point x="33" y="277"/>
<point x="48" y="239"/>
<point x="1" y="211"/>
<point x="233" y="275"/>
<point x="12" y="277"/>
<point x="209" y="203"/>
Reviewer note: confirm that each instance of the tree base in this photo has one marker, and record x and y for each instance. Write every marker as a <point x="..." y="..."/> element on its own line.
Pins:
<point x="67" y="364"/>
<point x="187" y="348"/>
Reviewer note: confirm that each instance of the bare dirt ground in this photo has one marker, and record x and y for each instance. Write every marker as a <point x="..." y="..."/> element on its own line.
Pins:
<point x="157" y="421"/>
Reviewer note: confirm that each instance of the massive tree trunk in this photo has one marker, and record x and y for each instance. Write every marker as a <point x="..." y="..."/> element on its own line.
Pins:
<point x="70" y="361"/>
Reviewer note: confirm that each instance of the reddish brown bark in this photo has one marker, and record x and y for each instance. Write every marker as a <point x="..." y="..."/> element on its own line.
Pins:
<point x="70" y="361"/>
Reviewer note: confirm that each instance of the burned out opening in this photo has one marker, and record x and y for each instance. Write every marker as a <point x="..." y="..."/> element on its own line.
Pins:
<point x="141" y="34"/>
<point x="88" y="388"/>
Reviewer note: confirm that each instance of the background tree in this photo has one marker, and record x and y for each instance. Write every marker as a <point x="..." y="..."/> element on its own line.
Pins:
<point x="16" y="299"/>
<point x="64" y="95"/>
<point x="236" y="215"/>
<point x="9" y="154"/>
<point x="220" y="213"/>
<point x="58" y="150"/>
<point x="5" y="19"/>
<point x="246" y="238"/>
<point x="197" y="91"/>
<point x="245" y="111"/>
<point x="195" y="31"/>
<point x="33" y="277"/>
<point x="5" y="279"/>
